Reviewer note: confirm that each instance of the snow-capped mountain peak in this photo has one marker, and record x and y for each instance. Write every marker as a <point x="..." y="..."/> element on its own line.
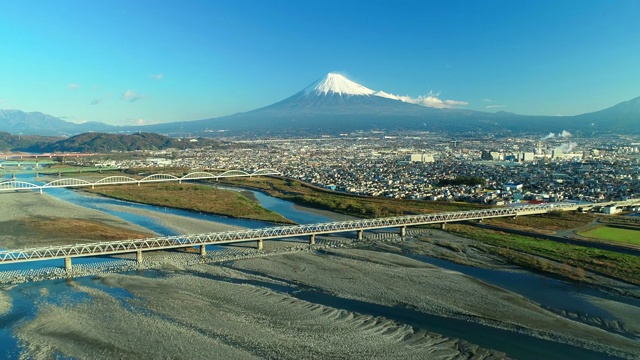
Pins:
<point x="337" y="84"/>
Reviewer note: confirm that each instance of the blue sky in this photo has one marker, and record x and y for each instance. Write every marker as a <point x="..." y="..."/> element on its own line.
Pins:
<point x="128" y="62"/>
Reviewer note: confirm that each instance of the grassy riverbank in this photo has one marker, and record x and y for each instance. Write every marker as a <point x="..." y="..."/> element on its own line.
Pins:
<point x="546" y="223"/>
<point x="564" y="260"/>
<point x="360" y="206"/>
<point x="193" y="197"/>
<point x="610" y="233"/>
<point x="534" y="253"/>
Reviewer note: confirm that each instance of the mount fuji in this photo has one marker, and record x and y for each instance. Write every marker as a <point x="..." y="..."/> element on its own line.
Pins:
<point x="336" y="104"/>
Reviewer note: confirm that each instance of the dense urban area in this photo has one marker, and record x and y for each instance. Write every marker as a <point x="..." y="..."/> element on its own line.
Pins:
<point x="491" y="170"/>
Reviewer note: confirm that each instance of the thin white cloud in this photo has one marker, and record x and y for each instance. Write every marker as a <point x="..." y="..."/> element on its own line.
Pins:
<point x="429" y="100"/>
<point x="131" y="96"/>
<point x="487" y="100"/>
<point x="73" y="86"/>
<point x="159" y="76"/>
<point x="495" y="106"/>
<point x="137" y="121"/>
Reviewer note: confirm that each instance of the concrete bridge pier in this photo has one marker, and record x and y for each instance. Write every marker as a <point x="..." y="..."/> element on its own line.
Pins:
<point x="443" y="226"/>
<point x="403" y="231"/>
<point x="139" y="256"/>
<point x="67" y="264"/>
<point x="203" y="251"/>
<point x="259" y="244"/>
<point x="360" y="235"/>
<point x="312" y="239"/>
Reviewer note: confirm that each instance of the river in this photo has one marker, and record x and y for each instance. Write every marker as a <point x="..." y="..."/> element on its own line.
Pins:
<point x="548" y="292"/>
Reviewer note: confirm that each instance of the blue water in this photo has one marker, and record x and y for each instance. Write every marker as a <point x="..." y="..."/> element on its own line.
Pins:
<point x="546" y="291"/>
<point x="284" y="208"/>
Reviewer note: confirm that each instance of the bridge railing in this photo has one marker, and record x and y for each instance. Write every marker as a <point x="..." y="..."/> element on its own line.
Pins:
<point x="124" y="246"/>
<point x="14" y="185"/>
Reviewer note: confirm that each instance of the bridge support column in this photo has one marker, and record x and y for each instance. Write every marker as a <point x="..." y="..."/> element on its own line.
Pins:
<point x="479" y="221"/>
<point x="443" y="226"/>
<point x="203" y="251"/>
<point x="360" y="235"/>
<point x="312" y="239"/>
<point x="67" y="264"/>
<point x="403" y="231"/>
<point x="139" y="256"/>
<point x="40" y="190"/>
<point x="259" y="244"/>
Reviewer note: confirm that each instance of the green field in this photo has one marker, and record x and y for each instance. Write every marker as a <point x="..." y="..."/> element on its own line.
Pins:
<point x="199" y="198"/>
<point x="628" y="236"/>
<point x="518" y="250"/>
<point x="360" y="206"/>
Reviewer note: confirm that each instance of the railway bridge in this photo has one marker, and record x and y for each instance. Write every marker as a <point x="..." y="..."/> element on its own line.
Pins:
<point x="138" y="246"/>
<point x="18" y="185"/>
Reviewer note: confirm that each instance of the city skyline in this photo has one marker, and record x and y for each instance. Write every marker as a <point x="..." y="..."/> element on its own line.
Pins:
<point x="147" y="62"/>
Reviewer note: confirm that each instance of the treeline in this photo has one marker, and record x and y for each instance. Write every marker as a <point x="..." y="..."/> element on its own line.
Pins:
<point x="9" y="142"/>
<point x="463" y="180"/>
<point x="102" y="142"/>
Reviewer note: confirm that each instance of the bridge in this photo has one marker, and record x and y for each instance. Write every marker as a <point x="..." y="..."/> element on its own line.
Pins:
<point x="138" y="246"/>
<point x="14" y="185"/>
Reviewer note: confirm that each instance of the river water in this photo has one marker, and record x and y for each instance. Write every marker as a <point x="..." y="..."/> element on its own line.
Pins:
<point x="546" y="291"/>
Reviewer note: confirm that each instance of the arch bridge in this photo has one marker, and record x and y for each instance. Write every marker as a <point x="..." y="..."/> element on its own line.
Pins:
<point x="15" y="185"/>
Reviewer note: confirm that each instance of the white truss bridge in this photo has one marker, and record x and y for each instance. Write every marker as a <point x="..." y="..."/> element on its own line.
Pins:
<point x="279" y="232"/>
<point x="14" y="185"/>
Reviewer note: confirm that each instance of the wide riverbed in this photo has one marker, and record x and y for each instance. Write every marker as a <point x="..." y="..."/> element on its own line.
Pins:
<point x="364" y="301"/>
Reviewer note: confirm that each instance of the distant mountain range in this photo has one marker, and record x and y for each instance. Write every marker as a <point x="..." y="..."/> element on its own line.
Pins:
<point x="35" y="123"/>
<point x="335" y="104"/>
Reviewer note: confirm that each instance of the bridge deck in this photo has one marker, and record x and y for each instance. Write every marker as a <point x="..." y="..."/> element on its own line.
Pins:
<point x="170" y="242"/>
<point x="278" y="232"/>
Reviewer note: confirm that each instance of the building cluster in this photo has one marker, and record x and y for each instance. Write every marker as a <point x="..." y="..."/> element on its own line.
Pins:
<point x="414" y="167"/>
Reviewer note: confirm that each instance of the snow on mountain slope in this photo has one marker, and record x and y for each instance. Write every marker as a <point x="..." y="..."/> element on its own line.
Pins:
<point x="337" y="84"/>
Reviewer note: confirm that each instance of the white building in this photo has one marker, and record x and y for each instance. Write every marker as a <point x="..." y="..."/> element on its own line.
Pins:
<point x="611" y="210"/>
<point x="425" y="158"/>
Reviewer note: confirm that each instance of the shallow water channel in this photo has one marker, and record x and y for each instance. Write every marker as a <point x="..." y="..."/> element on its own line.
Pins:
<point x="546" y="291"/>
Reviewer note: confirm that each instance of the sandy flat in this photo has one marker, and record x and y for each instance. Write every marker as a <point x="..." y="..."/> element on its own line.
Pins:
<point x="5" y="302"/>
<point x="197" y="317"/>
<point x="180" y="224"/>
<point x="28" y="205"/>
<point x="252" y="308"/>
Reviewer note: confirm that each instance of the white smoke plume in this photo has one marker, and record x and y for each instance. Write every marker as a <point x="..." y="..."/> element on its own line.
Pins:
<point x="564" y="134"/>
<point x="566" y="147"/>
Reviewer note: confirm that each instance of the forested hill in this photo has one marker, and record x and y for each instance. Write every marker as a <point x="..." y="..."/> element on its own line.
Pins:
<point x="101" y="142"/>
<point x="10" y="142"/>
